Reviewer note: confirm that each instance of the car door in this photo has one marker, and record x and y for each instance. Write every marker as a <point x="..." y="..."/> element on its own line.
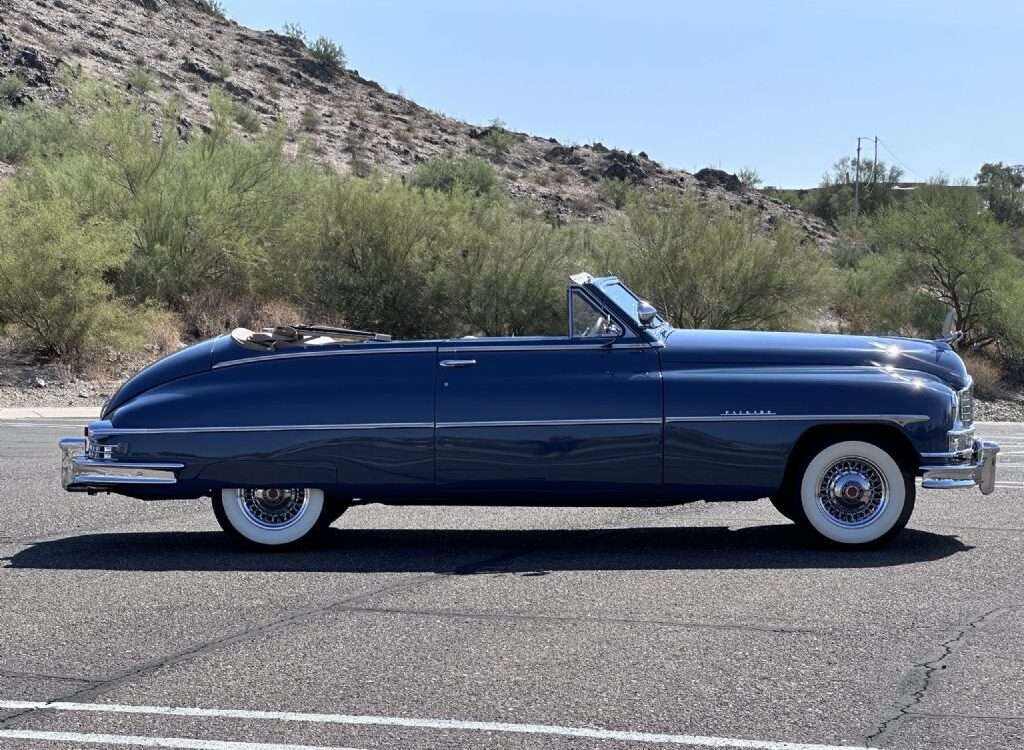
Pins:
<point x="549" y="418"/>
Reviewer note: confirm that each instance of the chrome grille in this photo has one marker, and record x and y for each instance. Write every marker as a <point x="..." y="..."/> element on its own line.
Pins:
<point x="100" y="452"/>
<point x="967" y="405"/>
<point x="961" y="441"/>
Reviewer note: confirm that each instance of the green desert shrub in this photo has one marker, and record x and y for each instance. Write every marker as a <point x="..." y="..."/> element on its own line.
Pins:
<point x="223" y="69"/>
<point x="213" y="8"/>
<point x="449" y="174"/>
<point x="328" y="53"/>
<point x="749" y="177"/>
<point x="498" y="138"/>
<point x="616" y="191"/>
<point x="294" y="30"/>
<point x="505" y="276"/>
<point x="375" y="249"/>
<point x="705" y="267"/>
<point x="34" y="131"/>
<point x="309" y="119"/>
<point x="54" y="264"/>
<point x="246" y="118"/>
<point x="140" y="81"/>
<point x="11" y="88"/>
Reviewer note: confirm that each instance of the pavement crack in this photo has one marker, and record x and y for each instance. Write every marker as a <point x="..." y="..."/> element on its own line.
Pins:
<point x="928" y="671"/>
<point x="44" y="676"/>
<point x="599" y="620"/>
<point x="1012" y="718"/>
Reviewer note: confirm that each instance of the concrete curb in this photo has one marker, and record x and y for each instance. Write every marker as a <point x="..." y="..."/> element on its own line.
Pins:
<point x="51" y="412"/>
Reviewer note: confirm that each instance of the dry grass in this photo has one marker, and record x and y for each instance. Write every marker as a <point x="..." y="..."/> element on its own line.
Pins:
<point x="274" y="313"/>
<point x="989" y="378"/>
<point x="163" y="333"/>
<point x="213" y="315"/>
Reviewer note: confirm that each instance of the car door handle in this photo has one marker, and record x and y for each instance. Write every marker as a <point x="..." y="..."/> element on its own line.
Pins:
<point x="458" y="362"/>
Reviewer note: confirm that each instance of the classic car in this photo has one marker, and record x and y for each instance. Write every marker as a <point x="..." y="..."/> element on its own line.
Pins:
<point x="287" y="427"/>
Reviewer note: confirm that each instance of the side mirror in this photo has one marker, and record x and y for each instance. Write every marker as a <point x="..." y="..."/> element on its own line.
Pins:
<point x="646" y="312"/>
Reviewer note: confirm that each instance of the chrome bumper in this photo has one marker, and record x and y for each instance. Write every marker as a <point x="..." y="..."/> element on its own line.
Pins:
<point x="79" y="473"/>
<point x="980" y="472"/>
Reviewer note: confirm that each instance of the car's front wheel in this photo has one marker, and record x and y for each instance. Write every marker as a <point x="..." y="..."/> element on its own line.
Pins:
<point x="853" y="494"/>
<point x="272" y="517"/>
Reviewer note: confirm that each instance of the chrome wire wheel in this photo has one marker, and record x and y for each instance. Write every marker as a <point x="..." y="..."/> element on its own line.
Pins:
<point x="274" y="508"/>
<point x="853" y="492"/>
<point x="271" y="517"/>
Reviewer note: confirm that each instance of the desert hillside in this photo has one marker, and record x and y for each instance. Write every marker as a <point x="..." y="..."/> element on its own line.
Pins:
<point x="351" y="122"/>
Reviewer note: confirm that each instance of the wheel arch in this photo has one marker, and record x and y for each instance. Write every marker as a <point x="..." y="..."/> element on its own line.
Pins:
<point x="885" y="435"/>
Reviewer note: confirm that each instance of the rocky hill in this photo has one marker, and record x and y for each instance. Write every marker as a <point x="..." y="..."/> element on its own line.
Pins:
<point x="352" y="122"/>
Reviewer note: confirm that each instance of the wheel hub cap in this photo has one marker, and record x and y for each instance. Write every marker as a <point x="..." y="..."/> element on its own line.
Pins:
<point x="273" y="508"/>
<point x="852" y="492"/>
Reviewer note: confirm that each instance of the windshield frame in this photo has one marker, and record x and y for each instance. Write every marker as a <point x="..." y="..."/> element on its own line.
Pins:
<point x="605" y="284"/>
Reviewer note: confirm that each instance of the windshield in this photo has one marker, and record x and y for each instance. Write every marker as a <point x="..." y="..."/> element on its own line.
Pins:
<point x="627" y="302"/>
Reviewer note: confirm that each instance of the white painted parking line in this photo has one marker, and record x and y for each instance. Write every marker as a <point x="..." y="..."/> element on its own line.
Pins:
<point x="76" y="426"/>
<point x="1009" y="484"/>
<point x="51" y="412"/>
<point x="183" y="743"/>
<point x="409" y="723"/>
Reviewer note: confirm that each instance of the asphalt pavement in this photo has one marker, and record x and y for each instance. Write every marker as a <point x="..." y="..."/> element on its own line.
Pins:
<point x="125" y="623"/>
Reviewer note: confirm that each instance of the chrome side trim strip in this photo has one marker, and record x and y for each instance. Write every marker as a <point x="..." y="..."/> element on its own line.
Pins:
<point x="548" y="422"/>
<point x="898" y="418"/>
<point x="949" y="454"/>
<point x="103" y="479"/>
<point x="902" y="419"/>
<point x="542" y="348"/>
<point x="103" y="466"/>
<point x="260" y="428"/>
<point x="332" y="353"/>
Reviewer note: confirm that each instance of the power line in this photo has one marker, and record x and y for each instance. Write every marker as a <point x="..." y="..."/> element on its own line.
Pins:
<point x="900" y="161"/>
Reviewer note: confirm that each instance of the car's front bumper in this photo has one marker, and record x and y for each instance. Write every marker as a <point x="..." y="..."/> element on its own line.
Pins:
<point x="81" y="473"/>
<point x="979" y="471"/>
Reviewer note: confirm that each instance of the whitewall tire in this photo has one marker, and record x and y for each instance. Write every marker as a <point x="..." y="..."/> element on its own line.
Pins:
<point x="854" y="494"/>
<point x="272" y="517"/>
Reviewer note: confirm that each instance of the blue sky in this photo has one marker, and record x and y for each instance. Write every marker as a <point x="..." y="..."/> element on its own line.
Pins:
<point x="784" y="87"/>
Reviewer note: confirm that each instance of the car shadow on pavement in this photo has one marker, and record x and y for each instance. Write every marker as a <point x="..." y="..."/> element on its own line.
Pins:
<point x="463" y="551"/>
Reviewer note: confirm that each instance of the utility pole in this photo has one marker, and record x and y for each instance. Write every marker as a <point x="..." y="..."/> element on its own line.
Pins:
<point x="856" y="184"/>
<point x="856" y="188"/>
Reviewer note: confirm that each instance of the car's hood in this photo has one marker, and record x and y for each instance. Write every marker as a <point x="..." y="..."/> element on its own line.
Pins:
<point x="761" y="348"/>
<point x="187" y="361"/>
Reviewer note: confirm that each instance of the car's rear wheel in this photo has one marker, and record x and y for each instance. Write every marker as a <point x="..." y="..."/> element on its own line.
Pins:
<point x="853" y="494"/>
<point x="273" y="517"/>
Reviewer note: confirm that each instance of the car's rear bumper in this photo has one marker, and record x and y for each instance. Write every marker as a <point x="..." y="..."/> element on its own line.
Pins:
<point x="81" y="473"/>
<point x="979" y="471"/>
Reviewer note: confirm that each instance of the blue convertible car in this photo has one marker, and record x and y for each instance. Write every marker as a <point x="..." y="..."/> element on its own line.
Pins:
<point x="288" y="427"/>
